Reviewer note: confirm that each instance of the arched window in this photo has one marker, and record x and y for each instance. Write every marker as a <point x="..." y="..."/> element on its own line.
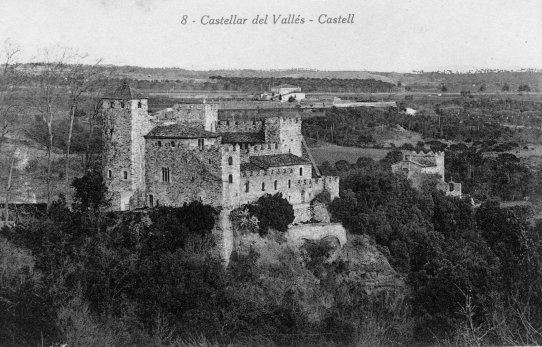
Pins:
<point x="247" y="187"/>
<point x="300" y="171"/>
<point x="289" y="184"/>
<point x="230" y="161"/>
<point x="263" y="186"/>
<point x="230" y="179"/>
<point x="275" y="185"/>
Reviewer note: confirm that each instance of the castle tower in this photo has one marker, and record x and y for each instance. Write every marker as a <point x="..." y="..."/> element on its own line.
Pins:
<point x="125" y="122"/>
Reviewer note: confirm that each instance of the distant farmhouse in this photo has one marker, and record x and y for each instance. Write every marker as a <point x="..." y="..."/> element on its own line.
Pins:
<point x="184" y="153"/>
<point x="284" y="93"/>
<point x="417" y="166"/>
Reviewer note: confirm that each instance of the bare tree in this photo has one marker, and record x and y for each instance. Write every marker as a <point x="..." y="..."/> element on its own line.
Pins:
<point x="82" y="79"/>
<point x="8" y="189"/>
<point x="52" y="74"/>
<point x="9" y="79"/>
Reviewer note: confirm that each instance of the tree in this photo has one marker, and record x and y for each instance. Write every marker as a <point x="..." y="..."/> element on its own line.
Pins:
<point x="80" y="79"/>
<point x="524" y="88"/>
<point x="9" y="79"/>
<point x="443" y="89"/>
<point x="90" y="192"/>
<point x="272" y="211"/>
<point x="51" y="75"/>
<point x="505" y="87"/>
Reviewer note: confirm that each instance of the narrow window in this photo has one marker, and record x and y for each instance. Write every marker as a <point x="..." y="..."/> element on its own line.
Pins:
<point x="230" y="179"/>
<point x="302" y="196"/>
<point x="210" y="162"/>
<point x="125" y="173"/>
<point x="122" y="104"/>
<point x="151" y="200"/>
<point x="230" y="161"/>
<point x="275" y="185"/>
<point x="172" y="143"/>
<point x="263" y="186"/>
<point x="201" y="142"/>
<point x="289" y="184"/>
<point x="276" y="145"/>
<point x="300" y="171"/>
<point x="112" y="104"/>
<point x="247" y="187"/>
<point x="109" y="173"/>
<point x="165" y="174"/>
<point x="139" y="104"/>
<point x="159" y="143"/>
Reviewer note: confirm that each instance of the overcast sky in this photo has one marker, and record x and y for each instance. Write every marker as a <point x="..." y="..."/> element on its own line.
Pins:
<point x="398" y="35"/>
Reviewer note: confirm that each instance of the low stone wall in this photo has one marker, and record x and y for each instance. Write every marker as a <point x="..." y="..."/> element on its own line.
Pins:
<point x="298" y="234"/>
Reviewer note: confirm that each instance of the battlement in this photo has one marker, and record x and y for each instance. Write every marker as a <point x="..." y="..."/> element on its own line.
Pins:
<point x="263" y="149"/>
<point x="423" y="154"/>
<point x="239" y="126"/>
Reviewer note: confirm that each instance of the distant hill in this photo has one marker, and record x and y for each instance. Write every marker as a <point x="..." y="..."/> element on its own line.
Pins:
<point x="362" y="75"/>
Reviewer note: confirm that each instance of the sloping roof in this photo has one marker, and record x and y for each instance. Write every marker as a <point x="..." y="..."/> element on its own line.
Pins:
<point x="125" y="92"/>
<point x="178" y="131"/>
<point x="267" y="161"/>
<point x="243" y="138"/>
<point x="249" y="167"/>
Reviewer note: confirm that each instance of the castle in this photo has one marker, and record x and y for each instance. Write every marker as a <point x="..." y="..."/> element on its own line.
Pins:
<point x="416" y="166"/>
<point x="185" y="153"/>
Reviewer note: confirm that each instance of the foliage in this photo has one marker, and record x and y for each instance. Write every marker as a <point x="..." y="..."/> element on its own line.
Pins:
<point x="272" y="211"/>
<point x="90" y="191"/>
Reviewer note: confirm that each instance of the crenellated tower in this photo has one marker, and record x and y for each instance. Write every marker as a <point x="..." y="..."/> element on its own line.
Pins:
<point x="125" y="121"/>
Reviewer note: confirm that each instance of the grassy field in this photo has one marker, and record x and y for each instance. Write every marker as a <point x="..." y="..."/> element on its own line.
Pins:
<point x="333" y="153"/>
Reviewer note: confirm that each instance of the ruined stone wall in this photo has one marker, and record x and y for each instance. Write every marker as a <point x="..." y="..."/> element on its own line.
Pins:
<point x="233" y="126"/>
<point x="287" y="132"/>
<point x="194" y="175"/>
<point x="204" y="116"/>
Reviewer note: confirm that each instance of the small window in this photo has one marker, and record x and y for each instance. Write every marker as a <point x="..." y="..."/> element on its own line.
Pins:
<point x="263" y="186"/>
<point x="165" y="174"/>
<point x="125" y="173"/>
<point x="159" y="143"/>
<point x="302" y="196"/>
<point x="300" y="171"/>
<point x="172" y="143"/>
<point x="275" y="185"/>
<point x="230" y="161"/>
<point x="276" y="146"/>
<point x="139" y="104"/>
<point x="210" y="162"/>
<point x="230" y="179"/>
<point x="112" y="104"/>
<point x="201" y="142"/>
<point x="151" y="200"/>
<point x="109" y="173"/>
<point x="247" y="187"/>
<point x="289" y="184"/>
<point x="122" y="104"/>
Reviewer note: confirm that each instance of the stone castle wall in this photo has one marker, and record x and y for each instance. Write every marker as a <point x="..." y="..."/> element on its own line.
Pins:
<point x="194" y="174"/>
<point x="233" y="126"/>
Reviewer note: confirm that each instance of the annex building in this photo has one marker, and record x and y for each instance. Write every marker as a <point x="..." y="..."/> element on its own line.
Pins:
<point x="184" y="153"/>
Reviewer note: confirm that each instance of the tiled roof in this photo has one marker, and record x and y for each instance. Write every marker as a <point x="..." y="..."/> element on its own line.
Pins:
<point x="243" y="138"/>
<point x="267" y="161"/>
<point x="249" y="167"/>
<point x="178" y="131"/>
<point x="125" y="92"/>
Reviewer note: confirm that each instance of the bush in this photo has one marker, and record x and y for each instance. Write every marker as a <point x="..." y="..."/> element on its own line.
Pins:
<point x="273" y="211"/>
